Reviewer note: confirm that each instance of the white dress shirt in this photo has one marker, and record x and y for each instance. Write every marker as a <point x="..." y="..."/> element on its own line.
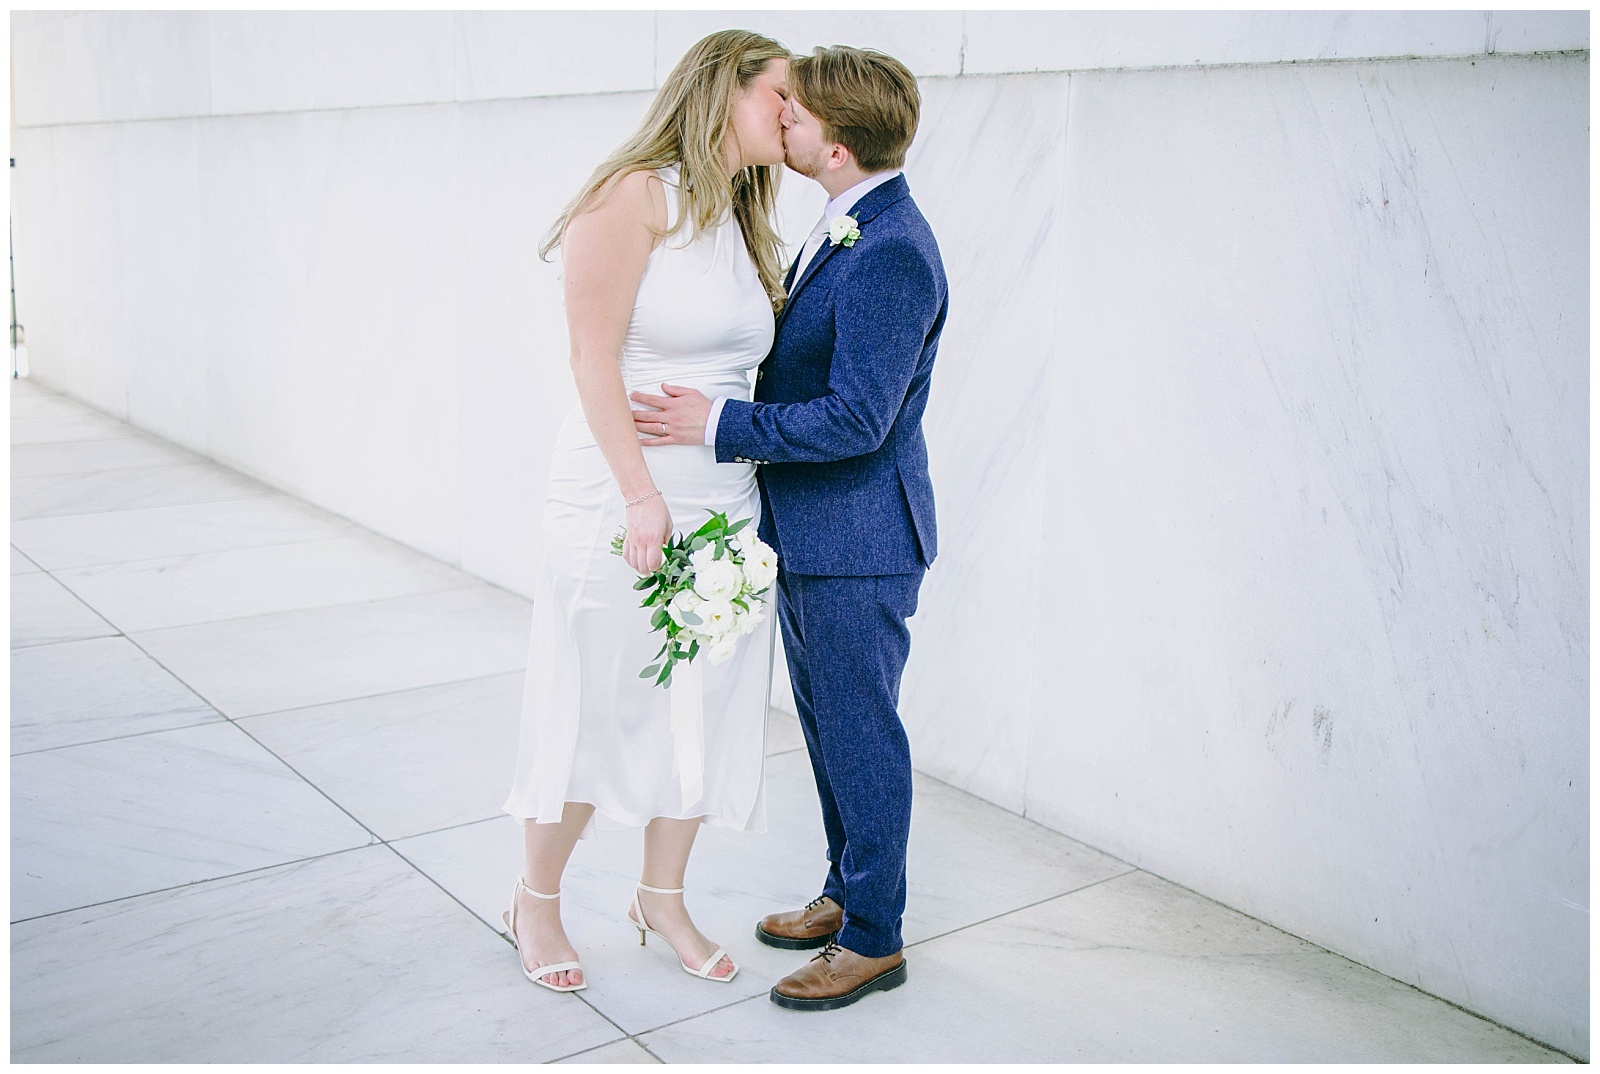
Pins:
<point x="839" y="206"/>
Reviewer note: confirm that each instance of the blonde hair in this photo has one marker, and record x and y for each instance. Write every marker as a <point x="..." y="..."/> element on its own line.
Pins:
<point x="867" y="101"/>
<point x="686" y="125"/>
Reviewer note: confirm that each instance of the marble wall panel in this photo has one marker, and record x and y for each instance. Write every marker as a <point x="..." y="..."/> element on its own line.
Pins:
<point x="986" y="169"/>
<point x="329" y="300"/>
<point x="366" y="58"/>
<point x="928" y="42"/>
<point x="160" y="269"/>
<point x="280" y="61"/>
<point x="542" y="53"/>
<point x="262" y="61"/>
<point x="1538" y="31"/>
<point x="104" y="66"/>
<point x="74" y="310"/>
<point x="1002" y="41"/>
<point x="1322" y="473"/>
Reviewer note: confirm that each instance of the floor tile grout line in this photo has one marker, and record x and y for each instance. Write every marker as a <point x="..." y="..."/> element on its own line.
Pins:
<point x="182" y="555"/>
<point x="30" y="559"/>
<point x="300" y="775"/>
<point x="191" y="883"/>
<point x="283" y="611"/>
<point x="475" y="583"/>
<point x="73" y="594"/>
<point x="498" y="934"/>
<point x="378" y="694"/>
<point x="65" y="641"/>
<point x="701" y="1014"/>
<point x="267" y="491"/>
<point x="101" y="469"/>
<point x="119" y="738"/>
<point x="586" y="1051"/>
<point x="1017" y="910"/>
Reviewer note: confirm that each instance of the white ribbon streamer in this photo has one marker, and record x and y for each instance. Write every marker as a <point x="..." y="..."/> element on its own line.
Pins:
<point x="688" y="729"/>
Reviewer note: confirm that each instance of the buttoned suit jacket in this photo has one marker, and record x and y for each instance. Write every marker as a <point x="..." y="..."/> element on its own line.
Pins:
<point x="836" y="422"/>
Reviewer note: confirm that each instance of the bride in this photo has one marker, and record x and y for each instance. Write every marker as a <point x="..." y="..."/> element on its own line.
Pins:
<point x="671" y="274"/>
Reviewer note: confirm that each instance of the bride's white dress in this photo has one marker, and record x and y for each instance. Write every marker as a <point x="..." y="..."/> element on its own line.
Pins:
<point x="592" y="729"/>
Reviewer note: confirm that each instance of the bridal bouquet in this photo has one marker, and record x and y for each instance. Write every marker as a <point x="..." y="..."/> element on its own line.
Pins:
<point x="706" y="593"/>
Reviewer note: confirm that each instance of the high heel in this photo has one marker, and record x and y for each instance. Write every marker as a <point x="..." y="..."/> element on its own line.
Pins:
<point x="639" y="922"/>
<point x="538" y="974"/>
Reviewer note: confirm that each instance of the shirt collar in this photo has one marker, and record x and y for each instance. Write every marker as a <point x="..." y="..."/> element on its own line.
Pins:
<point x="842" y="205"/>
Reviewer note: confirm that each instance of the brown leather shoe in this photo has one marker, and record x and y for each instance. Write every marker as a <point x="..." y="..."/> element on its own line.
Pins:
<point x="800" y="930"/>
<point x="837" y="977"/>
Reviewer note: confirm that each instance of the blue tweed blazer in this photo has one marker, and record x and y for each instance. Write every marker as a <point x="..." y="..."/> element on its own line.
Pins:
<point x="836" y="424"/>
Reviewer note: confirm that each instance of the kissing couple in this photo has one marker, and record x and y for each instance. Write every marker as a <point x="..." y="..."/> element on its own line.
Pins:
<point x="713" y="378"/>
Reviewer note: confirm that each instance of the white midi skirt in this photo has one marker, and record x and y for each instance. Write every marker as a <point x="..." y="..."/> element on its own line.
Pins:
<point x="594" y="731"/>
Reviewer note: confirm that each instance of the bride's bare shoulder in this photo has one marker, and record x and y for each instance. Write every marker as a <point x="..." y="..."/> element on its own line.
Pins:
<point x="636" y="198"/>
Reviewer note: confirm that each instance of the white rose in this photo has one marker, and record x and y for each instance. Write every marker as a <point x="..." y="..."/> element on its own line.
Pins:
<point x="718" y="579"/>
<point x="752" y="619"/>
<point x="843" y="229"/>
<point x="686" y="601"/>
<point x="760" y="565"/>
<point x="717" y="617"/>
<point x="723" y="647"/>
<point x="706" y="555"/>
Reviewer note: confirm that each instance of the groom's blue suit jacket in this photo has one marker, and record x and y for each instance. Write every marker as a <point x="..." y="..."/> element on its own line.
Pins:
<point x="837" y="419"/>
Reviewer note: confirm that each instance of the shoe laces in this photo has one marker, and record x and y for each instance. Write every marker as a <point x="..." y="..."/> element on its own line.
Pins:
<point x="827" y="953"/>
<point x="814" y="903"/>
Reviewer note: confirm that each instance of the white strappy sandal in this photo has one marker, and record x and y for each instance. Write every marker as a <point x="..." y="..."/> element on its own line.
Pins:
<point x="538" y="974"/>
<point x="639" y="922"/>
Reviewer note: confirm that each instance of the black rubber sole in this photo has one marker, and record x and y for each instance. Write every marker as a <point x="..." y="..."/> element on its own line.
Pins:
<point x="787" y="944"/>
<point x="882" y="983"/>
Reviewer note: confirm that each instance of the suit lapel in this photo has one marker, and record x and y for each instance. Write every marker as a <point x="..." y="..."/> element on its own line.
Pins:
<point x="871" y="204"/>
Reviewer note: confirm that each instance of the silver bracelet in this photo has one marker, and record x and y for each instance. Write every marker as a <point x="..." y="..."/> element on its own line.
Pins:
<point x="643" y="498"/>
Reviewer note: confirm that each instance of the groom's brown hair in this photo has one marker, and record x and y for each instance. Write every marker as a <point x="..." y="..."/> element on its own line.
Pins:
<point x="867" y="101"/>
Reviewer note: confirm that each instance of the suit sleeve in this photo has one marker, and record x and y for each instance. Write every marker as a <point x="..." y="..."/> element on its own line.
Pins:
<point x="883" y="312"/>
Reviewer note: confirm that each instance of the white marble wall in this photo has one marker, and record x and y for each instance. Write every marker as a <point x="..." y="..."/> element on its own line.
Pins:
<point x="1259" y="430"/>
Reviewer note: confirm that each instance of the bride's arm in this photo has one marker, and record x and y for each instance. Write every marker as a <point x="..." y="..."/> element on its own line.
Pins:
<point x="604" y="253"/>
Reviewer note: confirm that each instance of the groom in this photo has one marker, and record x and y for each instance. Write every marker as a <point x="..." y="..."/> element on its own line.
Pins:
<point x="836" y="428"/>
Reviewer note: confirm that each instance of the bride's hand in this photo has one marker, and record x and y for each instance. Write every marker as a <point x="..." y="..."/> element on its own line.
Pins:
<point x="649" y="525"/>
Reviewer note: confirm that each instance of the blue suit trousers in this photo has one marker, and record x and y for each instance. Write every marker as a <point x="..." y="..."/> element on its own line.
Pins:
<point x="846" y="641"/>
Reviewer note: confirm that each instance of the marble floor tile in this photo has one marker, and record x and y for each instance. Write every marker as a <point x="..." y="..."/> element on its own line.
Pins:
<point x="447" y="752"/>
<point x="969" y="860"/>
<point x="82" y="691"/>
<point x="1131" y="970"/>
<point x="24" y="386"/>
<point x="117" y="490"/>
<point x="106" y="820"/>
<point x="88" y="425"/>
<point x="292" y="659"/>
<point x="91" y="456"/>
<point x="636" y="987"/>
<point x="21" y="564"/>
<point x="155" y="593"/>
<point x="618" y="1051"/>
<point x="43" y="611"/>
<point x="353" y="957"/>
<point x="184" y="529"/>
<point x="961" y="850"/>
<point x="45" y="405"/>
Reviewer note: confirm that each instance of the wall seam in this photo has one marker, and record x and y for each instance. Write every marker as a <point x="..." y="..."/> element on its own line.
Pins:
<point x="1329" y="62"/>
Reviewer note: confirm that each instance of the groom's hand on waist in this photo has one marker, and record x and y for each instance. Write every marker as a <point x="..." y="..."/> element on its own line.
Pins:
<point x="679" y="417"/>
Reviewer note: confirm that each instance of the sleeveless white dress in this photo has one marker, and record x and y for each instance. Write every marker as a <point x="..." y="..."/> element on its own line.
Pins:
<point x="592" y="729"/>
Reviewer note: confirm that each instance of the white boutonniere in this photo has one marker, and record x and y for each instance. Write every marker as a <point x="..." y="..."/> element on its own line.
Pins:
<point x="843" y="230"/>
